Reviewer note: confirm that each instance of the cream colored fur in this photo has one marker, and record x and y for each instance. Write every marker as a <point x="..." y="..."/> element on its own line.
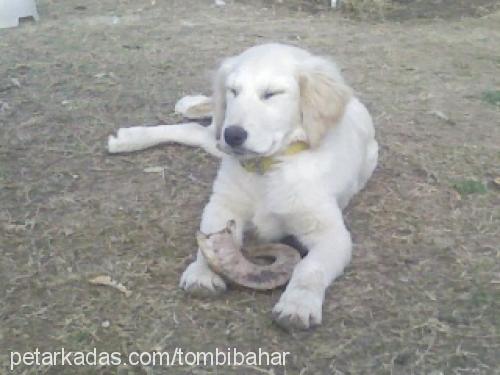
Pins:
<point x="305" y="193"/>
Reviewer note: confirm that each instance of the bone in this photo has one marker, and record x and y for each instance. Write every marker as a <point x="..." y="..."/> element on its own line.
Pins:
<point x="229" y="261"/>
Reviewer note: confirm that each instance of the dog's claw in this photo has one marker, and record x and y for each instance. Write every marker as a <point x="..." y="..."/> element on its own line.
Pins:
<point x="199" y="280"/>
<point x="298" y="309"/>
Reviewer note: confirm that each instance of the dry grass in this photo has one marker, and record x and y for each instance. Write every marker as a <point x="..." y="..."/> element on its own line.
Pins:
<point x="367" y="8"/>
<point x="422" y="294"/>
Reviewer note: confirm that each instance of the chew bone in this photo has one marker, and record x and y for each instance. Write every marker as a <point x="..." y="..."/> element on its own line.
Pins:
<point x="226" y="259"/>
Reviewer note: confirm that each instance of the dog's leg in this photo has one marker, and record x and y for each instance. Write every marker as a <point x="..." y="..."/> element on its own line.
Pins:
<point x="198" y="278"/>
<point x="141" y="137"/>
<point x="329" y="245"/>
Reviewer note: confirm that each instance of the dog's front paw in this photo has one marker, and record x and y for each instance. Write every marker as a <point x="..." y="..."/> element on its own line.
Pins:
<point x="298" y="308"/>
<point x="126" y="140"/>
<point x="200" y="280"/>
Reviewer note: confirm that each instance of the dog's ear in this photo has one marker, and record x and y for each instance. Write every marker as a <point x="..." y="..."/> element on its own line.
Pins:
<point x="219" y="95"/>
<point x="323" y="97"/>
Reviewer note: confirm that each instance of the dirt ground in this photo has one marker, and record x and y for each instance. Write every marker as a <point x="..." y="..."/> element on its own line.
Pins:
<point x="422" y="294"/>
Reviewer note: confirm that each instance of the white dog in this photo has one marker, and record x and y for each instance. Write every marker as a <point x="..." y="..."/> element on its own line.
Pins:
<point x="296" y="145"/>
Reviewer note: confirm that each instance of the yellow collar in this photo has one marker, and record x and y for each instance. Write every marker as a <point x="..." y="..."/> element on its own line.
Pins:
<point x="264" y="164"/>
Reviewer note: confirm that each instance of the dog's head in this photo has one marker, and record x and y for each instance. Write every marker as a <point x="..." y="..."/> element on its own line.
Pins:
<point x="272" y="95"/>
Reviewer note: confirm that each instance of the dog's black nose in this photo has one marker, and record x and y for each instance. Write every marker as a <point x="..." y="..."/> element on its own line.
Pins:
<point x="235" y="135"/>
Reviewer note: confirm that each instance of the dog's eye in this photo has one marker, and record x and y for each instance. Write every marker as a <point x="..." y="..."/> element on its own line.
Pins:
<point x="233" y="92"/>
<point x="269" y="94"/>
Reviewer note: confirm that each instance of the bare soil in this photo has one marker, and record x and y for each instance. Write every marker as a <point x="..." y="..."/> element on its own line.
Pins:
<point x="422" y="295"/>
